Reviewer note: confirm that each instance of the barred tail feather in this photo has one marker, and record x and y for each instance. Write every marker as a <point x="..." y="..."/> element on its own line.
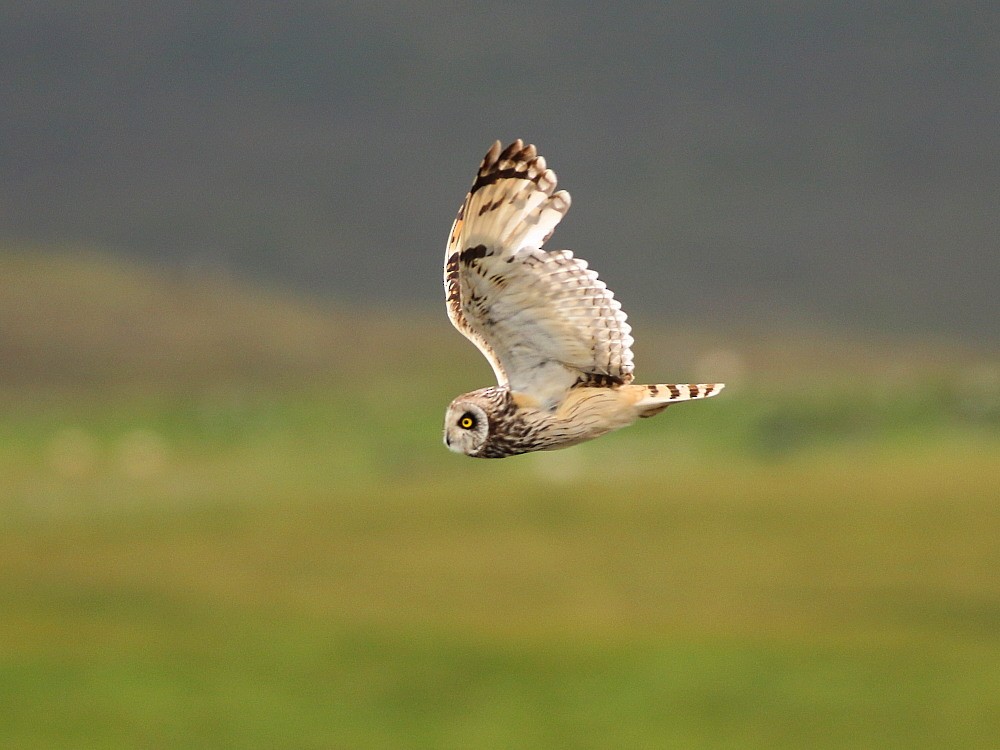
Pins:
<point x="655" y="398"/>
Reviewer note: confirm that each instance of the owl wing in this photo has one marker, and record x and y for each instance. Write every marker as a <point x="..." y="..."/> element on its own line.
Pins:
<point x="543" y="320"/>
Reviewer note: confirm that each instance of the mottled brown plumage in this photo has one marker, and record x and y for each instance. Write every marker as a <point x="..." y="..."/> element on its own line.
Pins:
<point x="554" y="334"/>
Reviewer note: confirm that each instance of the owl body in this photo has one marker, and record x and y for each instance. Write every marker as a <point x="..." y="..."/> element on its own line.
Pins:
<point x="555" y="336"/>
<point x="506" y="424"/>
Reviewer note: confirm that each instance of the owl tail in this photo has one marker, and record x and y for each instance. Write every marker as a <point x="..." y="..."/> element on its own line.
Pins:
<point x="652" y="399"/>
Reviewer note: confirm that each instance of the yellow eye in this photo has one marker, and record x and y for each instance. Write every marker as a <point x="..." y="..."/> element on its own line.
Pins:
<point x="467" y="422"/>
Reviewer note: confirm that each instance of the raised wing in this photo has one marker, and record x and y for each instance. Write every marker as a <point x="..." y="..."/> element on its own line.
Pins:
<point x="543" y="320"/>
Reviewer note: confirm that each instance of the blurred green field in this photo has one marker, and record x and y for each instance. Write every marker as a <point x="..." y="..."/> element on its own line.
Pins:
<point x="227" y="520"/>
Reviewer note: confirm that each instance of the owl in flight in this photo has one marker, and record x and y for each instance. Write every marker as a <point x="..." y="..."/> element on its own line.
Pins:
<point x="554" y="333"/>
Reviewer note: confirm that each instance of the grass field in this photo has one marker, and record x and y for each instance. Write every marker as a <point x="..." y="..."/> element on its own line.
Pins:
<point x="214" y="533"/>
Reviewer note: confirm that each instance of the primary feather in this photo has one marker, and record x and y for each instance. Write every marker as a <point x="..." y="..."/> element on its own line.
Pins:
<point x="543" y="319"/>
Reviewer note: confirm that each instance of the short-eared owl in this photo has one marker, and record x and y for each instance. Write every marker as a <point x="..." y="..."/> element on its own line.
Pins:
<point x="553" y="332"/>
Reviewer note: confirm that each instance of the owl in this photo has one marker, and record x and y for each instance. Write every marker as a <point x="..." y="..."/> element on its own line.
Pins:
<point x="553" y="332"/>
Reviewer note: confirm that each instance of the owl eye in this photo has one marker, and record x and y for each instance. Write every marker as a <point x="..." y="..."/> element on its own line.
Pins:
<point x="467" y="421"/>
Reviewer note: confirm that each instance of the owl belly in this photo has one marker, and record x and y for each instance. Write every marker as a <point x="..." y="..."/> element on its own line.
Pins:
<point x="588" y="413"/>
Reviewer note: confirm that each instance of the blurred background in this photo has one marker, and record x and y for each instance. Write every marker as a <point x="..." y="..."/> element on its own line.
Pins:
<point x="226" y="516"/>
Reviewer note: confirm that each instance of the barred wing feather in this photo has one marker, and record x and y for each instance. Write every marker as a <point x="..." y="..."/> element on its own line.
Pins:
<point x="543" y="319"/>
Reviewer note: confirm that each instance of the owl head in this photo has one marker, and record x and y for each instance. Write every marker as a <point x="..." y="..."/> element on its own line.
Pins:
<point x="475" y="423"/>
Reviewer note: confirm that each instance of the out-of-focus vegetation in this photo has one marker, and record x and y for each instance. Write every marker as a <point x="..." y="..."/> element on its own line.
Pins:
<point x="226" y="519"/>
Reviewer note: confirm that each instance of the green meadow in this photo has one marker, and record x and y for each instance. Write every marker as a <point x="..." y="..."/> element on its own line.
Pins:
<point x="227" y="520"/>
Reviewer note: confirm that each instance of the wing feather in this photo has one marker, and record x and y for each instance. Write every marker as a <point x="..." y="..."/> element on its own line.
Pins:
<point x="544" y="320"/>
